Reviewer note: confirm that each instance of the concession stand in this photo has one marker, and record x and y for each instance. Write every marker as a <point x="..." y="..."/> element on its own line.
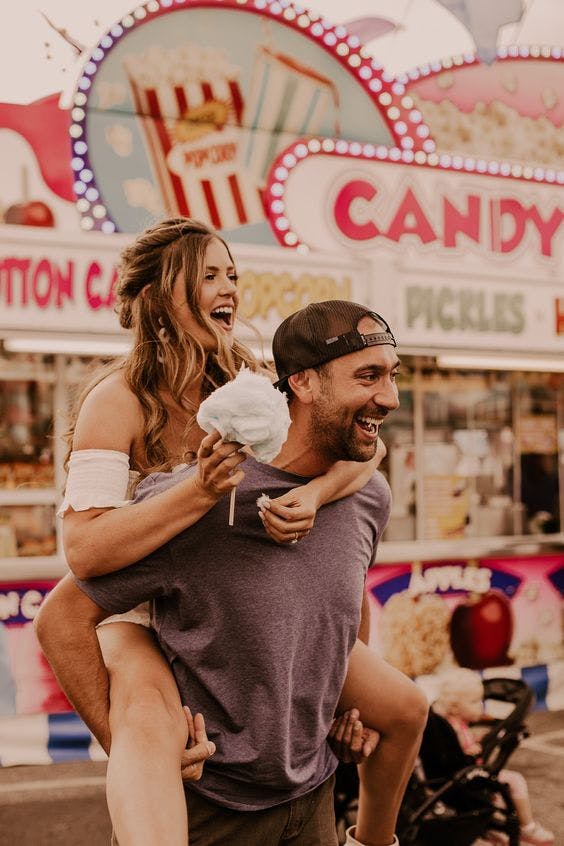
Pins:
<point x="437" y="198"/>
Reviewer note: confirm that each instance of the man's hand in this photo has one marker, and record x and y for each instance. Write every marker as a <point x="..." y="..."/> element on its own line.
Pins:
<point x="290" y="517"/>
<point x="198" y="749"/>
<point x="350" y="740"/>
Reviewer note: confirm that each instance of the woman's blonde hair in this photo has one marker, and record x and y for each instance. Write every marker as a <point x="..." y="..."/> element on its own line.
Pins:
<point x="165" y="355"/>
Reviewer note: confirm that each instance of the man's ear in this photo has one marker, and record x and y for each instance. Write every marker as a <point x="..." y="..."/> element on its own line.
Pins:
<point x="301" y="385"/>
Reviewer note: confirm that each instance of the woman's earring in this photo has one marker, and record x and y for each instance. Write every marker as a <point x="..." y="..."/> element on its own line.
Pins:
<point x="163" y="339"/>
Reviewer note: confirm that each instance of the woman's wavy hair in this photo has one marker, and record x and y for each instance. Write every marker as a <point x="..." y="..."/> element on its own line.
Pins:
<point x="147" y="272"/>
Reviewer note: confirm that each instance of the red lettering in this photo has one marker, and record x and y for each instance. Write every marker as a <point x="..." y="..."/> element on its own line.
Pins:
<point x="519" y="216"/>
<point x="92" y="274"/>
<point x="8" y="268"/>
<point x="358" y="190"/>
<point x="546" y="228"/>
<point x="64" y="283"/>
<point x="42" y="278"/>
<point x="410" y="219"/>
<point x="217" y="154"/>
<point x="456" y="221"/>
<point x="509" y="209"/>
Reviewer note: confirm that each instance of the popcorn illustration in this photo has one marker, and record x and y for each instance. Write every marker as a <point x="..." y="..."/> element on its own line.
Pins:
<point x="286" y="99"/>
<point x="190" y="105"/>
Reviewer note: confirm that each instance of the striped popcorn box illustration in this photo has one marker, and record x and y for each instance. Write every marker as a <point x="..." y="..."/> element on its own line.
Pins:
<point x="287" y="99"/>
<point x="190" y="106"/>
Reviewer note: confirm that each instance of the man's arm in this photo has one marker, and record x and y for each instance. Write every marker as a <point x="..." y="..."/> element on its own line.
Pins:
<point x="349" y="739"/>
<point x="364" y="627"/>
<point x="66" y="630"/>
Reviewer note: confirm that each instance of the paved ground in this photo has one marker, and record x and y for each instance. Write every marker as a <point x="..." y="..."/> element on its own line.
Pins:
<point x="541" y="759"/>
<point x="64" y="804"/>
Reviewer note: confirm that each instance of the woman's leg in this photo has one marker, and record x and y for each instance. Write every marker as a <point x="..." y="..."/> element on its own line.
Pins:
<point x="393" y="705"/>
<point x="149" y="731"/>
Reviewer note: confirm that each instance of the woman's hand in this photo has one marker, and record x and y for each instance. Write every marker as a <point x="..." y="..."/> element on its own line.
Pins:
<point x="217" y="470"/>
<point x="289" y="518"/>
<point x="198" y="748"/>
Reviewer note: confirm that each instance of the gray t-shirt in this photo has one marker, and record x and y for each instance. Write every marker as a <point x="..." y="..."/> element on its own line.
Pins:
<point x="257" y="634"/>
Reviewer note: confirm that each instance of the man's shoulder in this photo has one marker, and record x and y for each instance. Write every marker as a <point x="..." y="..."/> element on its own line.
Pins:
<point x="376" y="486"/>
<point x="374" y="500"/>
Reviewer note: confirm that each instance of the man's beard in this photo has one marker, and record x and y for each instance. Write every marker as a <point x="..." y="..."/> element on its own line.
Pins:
<point x="333" y="434"/>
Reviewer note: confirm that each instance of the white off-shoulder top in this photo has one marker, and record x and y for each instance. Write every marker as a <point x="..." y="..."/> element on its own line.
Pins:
<point x="98" y="478"/>
<point x="101" y="478"/>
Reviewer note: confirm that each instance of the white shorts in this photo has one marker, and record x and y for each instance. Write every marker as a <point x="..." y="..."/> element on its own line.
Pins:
<point x="141" y="615"/>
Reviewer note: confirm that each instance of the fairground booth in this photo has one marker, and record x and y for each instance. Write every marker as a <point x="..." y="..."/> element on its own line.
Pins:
<point x="436" y="198"/>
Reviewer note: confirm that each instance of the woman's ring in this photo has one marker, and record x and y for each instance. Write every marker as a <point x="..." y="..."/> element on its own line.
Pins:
<point x="296" y="538"/>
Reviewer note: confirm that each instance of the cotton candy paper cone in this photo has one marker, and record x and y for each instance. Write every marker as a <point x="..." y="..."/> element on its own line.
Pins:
<point x="232" y="496"/>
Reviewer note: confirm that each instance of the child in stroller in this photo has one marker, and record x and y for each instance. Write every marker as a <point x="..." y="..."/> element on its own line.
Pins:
<point x="461" y="701"/>
<point x="454" y="798"/>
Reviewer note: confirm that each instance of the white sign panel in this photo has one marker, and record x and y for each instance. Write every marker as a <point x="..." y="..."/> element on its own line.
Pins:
<point x="52" y="282"/>
<point x="462" y="256"/>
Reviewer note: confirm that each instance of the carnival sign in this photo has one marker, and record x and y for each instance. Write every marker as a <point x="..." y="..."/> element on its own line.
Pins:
<point x="462" y="249"/>
<point x="67" y="284"/>
<point x="181" y="109"/>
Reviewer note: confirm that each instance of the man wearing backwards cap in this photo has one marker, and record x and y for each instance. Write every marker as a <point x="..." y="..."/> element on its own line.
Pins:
<point x="260" y="636"/>
<point x="337" y="362"/>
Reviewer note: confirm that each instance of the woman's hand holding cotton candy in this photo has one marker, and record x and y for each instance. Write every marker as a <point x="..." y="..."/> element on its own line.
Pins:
<point x="218" y="460"/>
<point x="292" y="512"/>
<point x="249" y="410"/>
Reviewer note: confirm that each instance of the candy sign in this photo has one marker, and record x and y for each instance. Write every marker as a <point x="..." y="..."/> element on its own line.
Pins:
<point x="462" y="252"/>
<point x="378" y="198"/>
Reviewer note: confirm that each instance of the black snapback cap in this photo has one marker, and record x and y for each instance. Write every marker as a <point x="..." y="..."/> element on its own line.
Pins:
<point x="321" y="332"/>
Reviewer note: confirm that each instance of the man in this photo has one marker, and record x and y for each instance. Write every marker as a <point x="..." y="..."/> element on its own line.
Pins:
<point x="260" y="636"/>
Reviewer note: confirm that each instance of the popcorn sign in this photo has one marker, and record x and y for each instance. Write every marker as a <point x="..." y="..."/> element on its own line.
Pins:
<point x="190" y="103"/>
<point x="193" y="128"/>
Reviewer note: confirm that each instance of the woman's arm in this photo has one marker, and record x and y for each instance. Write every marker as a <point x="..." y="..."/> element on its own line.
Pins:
<point x="295" y="511"/>
<point x="100" y="540"/>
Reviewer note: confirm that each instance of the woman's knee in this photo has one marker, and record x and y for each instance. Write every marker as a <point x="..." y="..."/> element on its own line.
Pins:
<point x="148" y="712"/>
<point x="412" y="712"/>
<point x="144" y="697"/>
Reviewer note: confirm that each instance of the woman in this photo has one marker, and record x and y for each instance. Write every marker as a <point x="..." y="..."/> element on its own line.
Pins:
<point x="177" y="292"/>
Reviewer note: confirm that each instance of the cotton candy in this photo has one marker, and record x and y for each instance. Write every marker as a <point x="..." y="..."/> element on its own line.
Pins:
<point x="249" y="410"/>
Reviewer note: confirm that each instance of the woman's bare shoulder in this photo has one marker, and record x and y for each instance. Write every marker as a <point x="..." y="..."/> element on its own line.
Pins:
<point x="110" y="417"/>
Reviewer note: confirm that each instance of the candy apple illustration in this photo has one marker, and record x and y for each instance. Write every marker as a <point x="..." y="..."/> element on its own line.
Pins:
<point x="481" y="629"/>
<point x="30" y="213"/>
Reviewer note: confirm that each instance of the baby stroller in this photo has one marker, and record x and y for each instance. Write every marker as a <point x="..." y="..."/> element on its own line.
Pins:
<point x="451" y="798"/>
